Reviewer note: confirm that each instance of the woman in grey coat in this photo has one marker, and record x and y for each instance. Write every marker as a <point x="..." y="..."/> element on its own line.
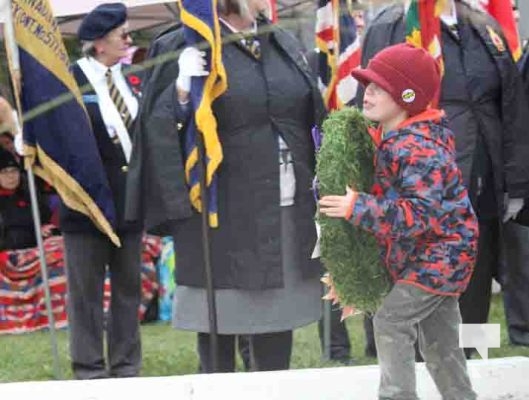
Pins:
<point x="266" y="284"/>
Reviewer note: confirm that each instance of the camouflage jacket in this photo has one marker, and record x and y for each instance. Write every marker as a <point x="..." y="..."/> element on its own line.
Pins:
<point x="419" y="209"/>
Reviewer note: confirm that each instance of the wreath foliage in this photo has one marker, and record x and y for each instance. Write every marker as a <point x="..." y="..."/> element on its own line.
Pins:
<point x="350" y="254"/>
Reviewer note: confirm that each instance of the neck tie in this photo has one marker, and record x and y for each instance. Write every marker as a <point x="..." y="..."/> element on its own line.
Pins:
<point x="453" y="29"/>
<point x="118" y="100"/>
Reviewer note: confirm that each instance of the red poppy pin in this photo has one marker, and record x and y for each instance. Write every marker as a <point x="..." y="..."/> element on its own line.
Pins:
<point x="135" y="83"/>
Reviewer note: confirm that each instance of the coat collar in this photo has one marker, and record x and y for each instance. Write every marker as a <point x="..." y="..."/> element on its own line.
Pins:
<point x="429" y="115"/>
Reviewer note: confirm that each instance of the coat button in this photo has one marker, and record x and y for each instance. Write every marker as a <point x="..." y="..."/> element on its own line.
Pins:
<point x="179" y="126"/>
<point x="124" y="168"/>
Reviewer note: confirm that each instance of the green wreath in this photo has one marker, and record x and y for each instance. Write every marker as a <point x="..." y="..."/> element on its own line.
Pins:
<point x="350" y="254"/>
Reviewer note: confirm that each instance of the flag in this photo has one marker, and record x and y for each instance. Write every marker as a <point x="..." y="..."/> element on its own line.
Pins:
<point x="423" y="28"/>
<point x="503" y="12"/>
<point x="59" y="143"/>
<point x="273" y="10"/>
<point x="201" y="26"/>
<point x="339" y="52"/>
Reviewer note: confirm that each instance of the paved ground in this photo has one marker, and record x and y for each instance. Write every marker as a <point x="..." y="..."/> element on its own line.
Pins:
<point x="497" y="379"/>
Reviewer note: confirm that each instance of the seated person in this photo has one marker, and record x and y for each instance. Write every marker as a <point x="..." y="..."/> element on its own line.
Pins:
<point x="16" y="219"/>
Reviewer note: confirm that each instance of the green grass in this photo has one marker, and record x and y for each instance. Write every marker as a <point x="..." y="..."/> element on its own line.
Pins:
<point x="170" y="352"/>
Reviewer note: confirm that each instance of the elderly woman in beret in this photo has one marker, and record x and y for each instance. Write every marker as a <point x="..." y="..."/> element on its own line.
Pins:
<point x="112" y="105"/>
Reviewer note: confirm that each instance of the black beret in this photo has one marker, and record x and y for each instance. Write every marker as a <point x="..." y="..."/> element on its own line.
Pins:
<point x="7" y="159"/>
<point x="102" y="20"/>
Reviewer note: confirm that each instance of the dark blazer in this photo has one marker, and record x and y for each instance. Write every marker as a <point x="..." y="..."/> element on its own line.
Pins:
<point x="114" y="162"/>
<point x="523" y="64"/>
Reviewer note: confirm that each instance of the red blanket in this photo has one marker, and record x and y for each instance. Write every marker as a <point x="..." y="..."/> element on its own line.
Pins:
<point x="22" y="301"/>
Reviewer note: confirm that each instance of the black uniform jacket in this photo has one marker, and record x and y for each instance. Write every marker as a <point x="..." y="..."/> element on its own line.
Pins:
<point x="246" y="248"/>
<point x="115" y="165"/>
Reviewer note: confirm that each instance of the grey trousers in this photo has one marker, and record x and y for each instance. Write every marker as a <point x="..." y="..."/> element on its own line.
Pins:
<point x="88" y="257"/>
<point x="437" y="318"/>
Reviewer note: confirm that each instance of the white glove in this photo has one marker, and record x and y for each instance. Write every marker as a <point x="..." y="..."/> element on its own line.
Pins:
<point x="514" y="206"/>
<point x="19" y="145"/>
<point x="191" y="63"/>
<point x="19" y="141"/>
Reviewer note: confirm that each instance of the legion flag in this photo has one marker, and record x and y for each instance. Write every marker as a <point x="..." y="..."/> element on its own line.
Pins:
<point x="59" y="143"/>
<point x="201" y="26"/>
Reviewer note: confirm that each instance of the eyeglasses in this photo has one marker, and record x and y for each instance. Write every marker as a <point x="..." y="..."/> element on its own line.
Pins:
<point x="124" y="35"/>
<point x="373" y="88"/>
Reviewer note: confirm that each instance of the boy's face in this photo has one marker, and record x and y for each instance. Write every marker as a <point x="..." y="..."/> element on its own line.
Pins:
<point x="378" y="105"/>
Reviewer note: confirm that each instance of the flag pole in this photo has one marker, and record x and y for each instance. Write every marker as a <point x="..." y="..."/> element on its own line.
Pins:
<point x="327" y="329"/>
<point x="210" y="289"/>
<point x="14" y="62"/>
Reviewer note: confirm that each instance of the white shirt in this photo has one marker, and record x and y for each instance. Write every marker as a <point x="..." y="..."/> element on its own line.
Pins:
<point x="95" y="73"/>
<point x="287" y="177"/>
<point x="451" y="19"/>
<point x="235" y="30"/>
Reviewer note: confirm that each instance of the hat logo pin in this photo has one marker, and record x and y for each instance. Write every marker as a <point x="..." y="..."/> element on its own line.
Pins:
<point x="408" y="96"/>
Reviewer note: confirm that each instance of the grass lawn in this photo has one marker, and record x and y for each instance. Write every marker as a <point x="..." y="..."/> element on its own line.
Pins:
<point x="170" y="352"/>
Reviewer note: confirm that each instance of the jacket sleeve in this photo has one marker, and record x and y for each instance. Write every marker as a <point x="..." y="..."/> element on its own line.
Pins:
<point x="516" y="135"/>
<point x="157" y="193"/>
<point x="409" y="207"/>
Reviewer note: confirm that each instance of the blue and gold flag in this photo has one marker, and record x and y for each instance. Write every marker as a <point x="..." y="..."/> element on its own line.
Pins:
<point x="59" y="143"/>
<point x="201" y="25"/>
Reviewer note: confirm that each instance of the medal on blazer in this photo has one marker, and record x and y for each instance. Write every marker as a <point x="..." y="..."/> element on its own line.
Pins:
<point x="496" y="39"/>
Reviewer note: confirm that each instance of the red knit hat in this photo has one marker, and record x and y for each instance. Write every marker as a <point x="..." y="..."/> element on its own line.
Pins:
<point x="409" y="74"/>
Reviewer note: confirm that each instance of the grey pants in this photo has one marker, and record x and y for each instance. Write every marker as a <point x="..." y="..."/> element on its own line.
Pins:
<point x="437" y="318"/>
<point x="87" y="258"/>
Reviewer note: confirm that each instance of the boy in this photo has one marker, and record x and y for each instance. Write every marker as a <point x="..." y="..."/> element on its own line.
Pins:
<point x="423" y="220"/>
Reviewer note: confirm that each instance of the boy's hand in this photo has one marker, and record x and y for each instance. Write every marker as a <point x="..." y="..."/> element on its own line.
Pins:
<point x="338" y="206"/>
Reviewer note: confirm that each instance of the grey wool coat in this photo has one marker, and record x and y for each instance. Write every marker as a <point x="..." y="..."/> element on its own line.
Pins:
<point x="246" y="248"/>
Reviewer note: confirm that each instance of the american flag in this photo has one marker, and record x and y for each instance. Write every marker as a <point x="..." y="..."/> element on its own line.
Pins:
<point x="339" y="52"/>
<point x="201" y="24"/>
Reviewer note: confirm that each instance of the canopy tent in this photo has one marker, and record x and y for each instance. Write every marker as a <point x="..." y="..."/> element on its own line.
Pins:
<point x="142" y="13"/>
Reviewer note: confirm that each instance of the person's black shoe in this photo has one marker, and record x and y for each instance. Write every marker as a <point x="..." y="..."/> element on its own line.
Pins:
<point x="370" y="352"/>
<point x="518" y="337"/>
<point x="347" y="361"/>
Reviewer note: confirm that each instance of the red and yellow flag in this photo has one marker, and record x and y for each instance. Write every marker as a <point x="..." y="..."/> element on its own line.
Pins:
<point x="503" y="12"/>
<point x="423" y="26"/>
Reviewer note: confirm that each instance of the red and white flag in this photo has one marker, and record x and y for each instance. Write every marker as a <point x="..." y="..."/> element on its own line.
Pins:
<point x="339" y="53"/>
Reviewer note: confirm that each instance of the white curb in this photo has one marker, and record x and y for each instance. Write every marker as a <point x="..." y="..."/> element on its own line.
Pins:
<point x="494" y="379"/>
